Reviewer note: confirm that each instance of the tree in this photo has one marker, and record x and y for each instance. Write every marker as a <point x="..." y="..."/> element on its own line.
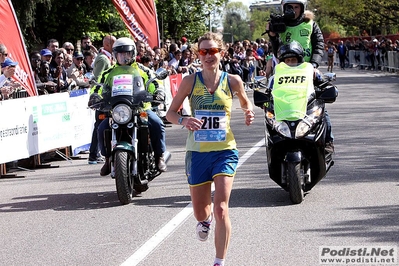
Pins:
<point x="67" y="20"/>
<point x="375" y="17"/>
<point x="190" y="18"/>
<point x="237" y="22"/>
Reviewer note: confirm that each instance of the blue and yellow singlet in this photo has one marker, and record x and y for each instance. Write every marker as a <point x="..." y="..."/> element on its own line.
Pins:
<point x="215" y="111"/>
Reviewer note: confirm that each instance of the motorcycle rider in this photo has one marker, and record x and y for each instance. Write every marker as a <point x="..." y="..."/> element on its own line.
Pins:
<point x="292" y="64"/>
<point x="124" y="51"/>
<point x="301" y="28"/>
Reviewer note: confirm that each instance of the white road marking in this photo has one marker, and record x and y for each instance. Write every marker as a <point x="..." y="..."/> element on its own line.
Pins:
<point x="176" y="221"/>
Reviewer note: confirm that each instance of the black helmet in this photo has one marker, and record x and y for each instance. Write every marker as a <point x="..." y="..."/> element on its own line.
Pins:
<point x="292" y="49"/>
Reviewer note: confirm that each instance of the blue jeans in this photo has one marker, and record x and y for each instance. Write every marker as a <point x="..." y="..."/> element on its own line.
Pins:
<point x="94" y="149"/>
<point x="157" y="134"/>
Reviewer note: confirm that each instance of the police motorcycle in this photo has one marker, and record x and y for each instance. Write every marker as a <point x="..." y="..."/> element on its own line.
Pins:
<point x="295" y="148"/>
<point x="133" y="162"/>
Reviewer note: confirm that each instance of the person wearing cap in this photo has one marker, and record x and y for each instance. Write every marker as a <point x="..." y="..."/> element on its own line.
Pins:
<point x="46" y="55"/>
<point x="76" y="71"/>
<point x="8" y="68"/>
<point x="7" y="71"/>
<point x="184" y="43"/>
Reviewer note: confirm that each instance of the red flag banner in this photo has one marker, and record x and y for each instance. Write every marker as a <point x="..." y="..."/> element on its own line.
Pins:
<point x="12" y="38"/>
<point x="140" y="17"/>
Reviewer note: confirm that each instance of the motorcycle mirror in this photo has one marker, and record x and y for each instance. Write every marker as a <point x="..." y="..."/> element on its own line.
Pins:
<point x="161" y="73"/>
<point x="89" y="76"/>
<point x="260" y="78"/>
<point x="330" y="76"/>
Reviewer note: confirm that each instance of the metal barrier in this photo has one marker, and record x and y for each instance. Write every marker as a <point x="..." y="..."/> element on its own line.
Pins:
<point x="388" y="62"/>
<point x="19" y="94"/>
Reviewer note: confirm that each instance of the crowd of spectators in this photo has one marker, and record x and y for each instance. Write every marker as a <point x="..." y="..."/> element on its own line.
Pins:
<point x="376" y="50"/>
<point x="60" y="68"/>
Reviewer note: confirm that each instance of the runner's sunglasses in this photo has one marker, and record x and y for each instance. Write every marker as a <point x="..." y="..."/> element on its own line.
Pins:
<point x="211" y="51"/>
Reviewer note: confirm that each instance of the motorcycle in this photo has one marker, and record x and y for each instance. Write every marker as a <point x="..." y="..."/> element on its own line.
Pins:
<point x="295" y="148"/>
<point x="133" y="162"/>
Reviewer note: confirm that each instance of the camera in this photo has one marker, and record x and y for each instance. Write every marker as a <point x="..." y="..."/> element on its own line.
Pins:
<point x="86" y="47"/>
<point x="277" y="21"/>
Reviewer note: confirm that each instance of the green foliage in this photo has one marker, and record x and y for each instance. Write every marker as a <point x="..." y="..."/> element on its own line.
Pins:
<point x="237" y="22"/>
<point x="258" y="21"/>
<point x="190" y="18"/>
<point x="67" y="20"/>
<point x="357" y="17"/>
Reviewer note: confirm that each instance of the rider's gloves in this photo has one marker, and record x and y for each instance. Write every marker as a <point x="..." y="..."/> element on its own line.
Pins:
<point x="94" y="100"/>
<point x="159" y="95"/>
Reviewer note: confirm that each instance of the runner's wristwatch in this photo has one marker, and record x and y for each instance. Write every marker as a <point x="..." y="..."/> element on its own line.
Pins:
<point x="180" y="121"/>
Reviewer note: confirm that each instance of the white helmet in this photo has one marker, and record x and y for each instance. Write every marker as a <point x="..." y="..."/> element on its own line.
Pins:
<point x="303" y="4"/>
<point x="125" y="45"/>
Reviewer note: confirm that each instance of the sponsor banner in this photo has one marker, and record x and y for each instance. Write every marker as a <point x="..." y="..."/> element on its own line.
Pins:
<point x="16" y="49"/>
<point x="83" y="119"/>
<point x="140" y="18"/>
<point x="38" y="124"/>
<point x="15" y="127"/>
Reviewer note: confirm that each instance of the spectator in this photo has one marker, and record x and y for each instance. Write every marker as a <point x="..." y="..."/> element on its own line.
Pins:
<point x="185" y="61"/>
<point x="8" y="69"/>
<point x="174" y="63"/>
<point x="35" y="64"/>
<point x="104" y="59"/>
<point x="46" y="78"/>
<point x="331" y="51"/>
<point x="248" y="66"/>
<point x="342" y="54"/>
<point x="67" y="61"/>
<point x="58" y="72"/>
<point x="46" y="55"/>
<point x="146" y="60"/>
<point x="141" y="50"/>
<point x="172" y="49"/>
<point x="52" y="45"/>
<point x="157" y="62"/>
<point x="69" y="48"/>
<point x="87" y="45"/>
<point x="167" y="44"/>
<point x="88" y="60"/>
<point x="102" y="62"/>
<point x="184" y="43"/>
<point x="76" y="71"/>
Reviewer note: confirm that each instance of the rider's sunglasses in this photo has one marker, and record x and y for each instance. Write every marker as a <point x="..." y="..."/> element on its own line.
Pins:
<point x="210" y="51"/>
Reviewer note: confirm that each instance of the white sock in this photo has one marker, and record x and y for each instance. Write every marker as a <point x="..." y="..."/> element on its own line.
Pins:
<point x="219" y="261"/>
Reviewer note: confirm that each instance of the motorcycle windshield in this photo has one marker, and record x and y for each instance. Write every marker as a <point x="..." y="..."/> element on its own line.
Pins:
<point x="127" y="83"/>
<point x="289" y="103"/>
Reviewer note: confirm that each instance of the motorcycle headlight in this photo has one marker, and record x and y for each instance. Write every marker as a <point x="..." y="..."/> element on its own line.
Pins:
<point x="307" y="123"/>
<point x="301" y="129"/>
<point x="283" y="129"/>
<point x="122" y="114"/>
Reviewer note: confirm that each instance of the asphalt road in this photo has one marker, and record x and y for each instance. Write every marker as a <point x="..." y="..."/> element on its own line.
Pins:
<point x="69" y="215"/>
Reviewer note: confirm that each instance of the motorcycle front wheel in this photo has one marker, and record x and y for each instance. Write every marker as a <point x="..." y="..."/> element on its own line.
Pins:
<point x="123" y="177"/>
<point x="295" y="186"/>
